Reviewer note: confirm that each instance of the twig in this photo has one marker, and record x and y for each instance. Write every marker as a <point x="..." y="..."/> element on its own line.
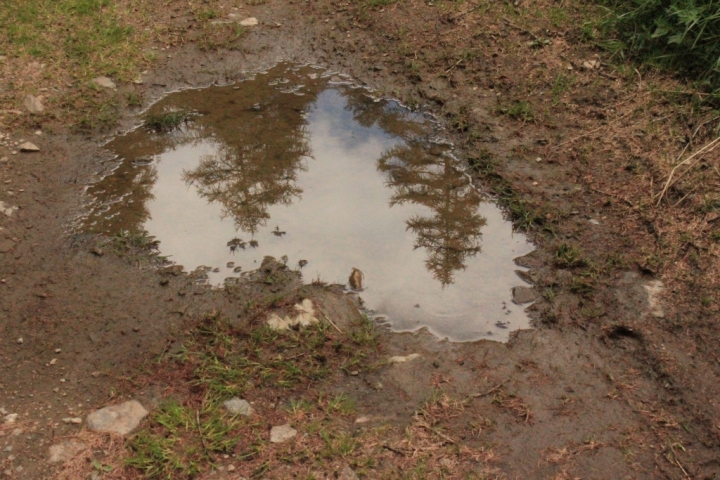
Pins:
<point x="706" y="149"/>
<point x="330" y="321"/>
<point x="394" y="450"/>
<point x="439" y="434"/>
<point x="478" y="395"/>
<point x="456" y="64"/>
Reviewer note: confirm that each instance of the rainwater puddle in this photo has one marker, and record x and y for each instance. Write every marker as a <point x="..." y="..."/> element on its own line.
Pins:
<point x="301" y="164"/>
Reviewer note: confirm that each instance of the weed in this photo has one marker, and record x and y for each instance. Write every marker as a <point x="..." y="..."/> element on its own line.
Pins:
<point x="166" y="121"/>
<point x="133" y="99"/>
<point x="518" y="111"/>
<point x="483" y="162"/>
<point x="567" y="256"/>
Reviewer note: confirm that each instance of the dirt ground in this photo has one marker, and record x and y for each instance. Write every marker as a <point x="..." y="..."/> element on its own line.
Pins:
<point x="618" y="380"/>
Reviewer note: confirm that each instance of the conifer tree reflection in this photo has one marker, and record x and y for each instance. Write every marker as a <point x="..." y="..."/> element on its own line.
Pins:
<point x="425" y="176"/>
<point x="452" y="234"/>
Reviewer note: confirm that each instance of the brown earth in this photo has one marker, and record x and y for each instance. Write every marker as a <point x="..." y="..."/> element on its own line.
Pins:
<point x="610" y="384"/>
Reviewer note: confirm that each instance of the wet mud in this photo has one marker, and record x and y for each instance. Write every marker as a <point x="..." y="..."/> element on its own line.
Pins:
<point x="573" y="398"/>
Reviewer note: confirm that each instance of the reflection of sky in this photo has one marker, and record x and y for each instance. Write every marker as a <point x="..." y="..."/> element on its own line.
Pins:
<point x="342" y="221"/>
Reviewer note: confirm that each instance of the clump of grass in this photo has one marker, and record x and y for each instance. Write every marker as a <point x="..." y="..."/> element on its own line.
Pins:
<point x="568" y="256"/>
<point x="683" y="35"/>
<point x="180" y="439"/>
<point x="518" y="110"/>
<point x="165" y="121"/>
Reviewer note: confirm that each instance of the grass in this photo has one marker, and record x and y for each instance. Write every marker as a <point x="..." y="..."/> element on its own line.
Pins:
<point x="518" y="110"/>
<point x="165" y="121"/>
<point x="681" y="35"/>
<point x="181" y="441"/>
<point x="54" y="48"/>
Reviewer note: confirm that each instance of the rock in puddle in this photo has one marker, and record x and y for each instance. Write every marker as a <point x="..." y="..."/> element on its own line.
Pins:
<point x="121" y="419"/>
<point x="523" y="295"/>
<point x="238" y="406"/>
<point x="63" y="452"/>
<point x="282" y="433"/>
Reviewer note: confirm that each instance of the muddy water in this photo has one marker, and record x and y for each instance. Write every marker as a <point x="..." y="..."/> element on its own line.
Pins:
<point x="301" y="165"/>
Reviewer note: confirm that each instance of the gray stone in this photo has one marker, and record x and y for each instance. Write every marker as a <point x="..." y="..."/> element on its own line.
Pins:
<point x="523" y="295"/>
<point x="348" y="474"/>
<point x="29" y="147"/>
<point x="63" y="452"/>
<point x="33" y="104"/>
<point x="238" y="406"/>
<point x="282" y="433"/>
<point x="121" y="419"/>
<point x="104" y="82"/>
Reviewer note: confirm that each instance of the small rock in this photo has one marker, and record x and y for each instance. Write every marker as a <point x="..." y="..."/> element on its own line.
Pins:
<point x="20" y="340"/>
<point x="63" y="452"/>
<point x="33" y="104"/>
<point x="74" y="420"/>
<point x="11" y="418"/>
<point x="282" y="433"/>
<point x="238" y="406"/>
<point x="29" y="147"/>
<point x="104" y="82"/>
<point x="362" y="419"/>
<point x="591" y="64"/>
<point x="231" y="468"/>
<point x="407" y="358"/>
<point x="249" y="22"/>
<point x="6" y="246"/>
<point x="348" y="474"/>
<point x="121" y="419"/>
<point x="8" y="448"/>
<point x="523" y="295"/>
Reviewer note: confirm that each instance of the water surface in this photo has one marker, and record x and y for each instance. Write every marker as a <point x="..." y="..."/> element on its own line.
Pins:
<point x="300" y="164"/>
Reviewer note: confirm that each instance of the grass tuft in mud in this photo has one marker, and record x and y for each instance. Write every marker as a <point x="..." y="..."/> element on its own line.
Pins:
<point x="166" y="121"/>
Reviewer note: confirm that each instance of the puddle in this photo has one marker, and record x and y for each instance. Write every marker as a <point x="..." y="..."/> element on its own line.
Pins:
<point x="299" y="164"/>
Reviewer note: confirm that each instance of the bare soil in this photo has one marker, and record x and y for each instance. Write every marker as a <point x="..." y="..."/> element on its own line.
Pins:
<point x="615" y="381"/>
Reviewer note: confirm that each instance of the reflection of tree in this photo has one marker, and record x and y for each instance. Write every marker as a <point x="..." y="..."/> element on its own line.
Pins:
<point x="257" y="170"/>
<point x="421" y="174"/>
<point x="452" y="233"/>
<point x="259" y="138"/>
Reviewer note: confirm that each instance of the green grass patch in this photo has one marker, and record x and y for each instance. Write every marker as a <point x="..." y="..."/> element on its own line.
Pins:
<point x="181" y="440"/>
<point x="165" y="121"/>
<point x="518" y="110"/>
<point x="681" y="35"/>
